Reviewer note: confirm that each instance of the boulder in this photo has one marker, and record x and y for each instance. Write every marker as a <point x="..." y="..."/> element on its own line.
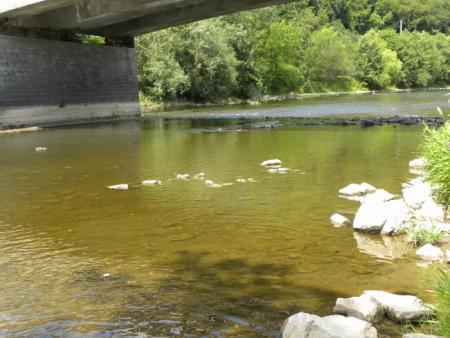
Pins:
<point x="364" y="307"/>
<point x="429" y="252"/>
<point x="150" y="183"/>
<point x="269" y="163"/>
<point x="357" y="189"/>
<point x="418" y="163"/>
<point x="119" y="187"/>
<point x="430" y="211"/>
<point x="398" y="217"/>
<point x="370" y="216"/>
<point x="417" y="193"/>
<point x="400" y="308"/>
<point x="304" y="325"/>
<point x="339" y="220"/>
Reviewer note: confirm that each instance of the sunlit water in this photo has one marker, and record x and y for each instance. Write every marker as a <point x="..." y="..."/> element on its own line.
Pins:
<point x="183" y="259"/>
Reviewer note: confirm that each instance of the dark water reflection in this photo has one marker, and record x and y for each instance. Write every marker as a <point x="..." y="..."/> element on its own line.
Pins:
<point x="185" y="260"/>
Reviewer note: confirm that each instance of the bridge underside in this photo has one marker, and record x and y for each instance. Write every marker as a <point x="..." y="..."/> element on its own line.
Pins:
<point x="46" y="82"/>
<point x="117" y="18"/>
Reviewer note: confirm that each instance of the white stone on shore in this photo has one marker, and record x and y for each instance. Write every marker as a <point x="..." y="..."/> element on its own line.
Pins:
<point x="304" y="325"/>
<point x="40" y="149"/>
<point x="339" y="221"/>
<point x="398" y="217"/>
<point x="211" y="184"/>
<point x="430" y="211"/>
<point x="269" y="163"/>
<point x="150" y="183"/>
<point x="357" y="189"/>
<point x="400" y="308"/>
<point x="429" y="252"/>
<point x="416" y="193"/>
<point x="364" y="307"/>
<point x="119" y="187"/>
<point x="183" y="177"/>
<point x="418" y="163"/>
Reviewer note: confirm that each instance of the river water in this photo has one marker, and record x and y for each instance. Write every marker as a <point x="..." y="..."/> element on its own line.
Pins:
<point x="180" y="259"/>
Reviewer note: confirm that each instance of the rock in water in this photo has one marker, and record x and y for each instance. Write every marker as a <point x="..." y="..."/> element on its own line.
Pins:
<point x="269" y="163"/>
<point x="150" y="183"/>
<point x="119" y="187"/>
<point x="400" y="308"/>
<point x="339" y="221"/>
<point x="370" y="216"/>
<point x="364" y="307"/>
<point x="200" y="176"/>
<point x="211" y="184"/>
<point x="304" y="325"/>
<point x="430" y="253"/>
<point x="357" y="189"/>
<point x="398" y="217"/>
<point x="183" y="177"/>
<point x="40" y="149"/>
<point x="418" y="163"/>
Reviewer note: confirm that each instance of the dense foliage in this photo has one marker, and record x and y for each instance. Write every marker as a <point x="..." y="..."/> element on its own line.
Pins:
<point x="306" y="46"/>
<point x="441" y="286"/>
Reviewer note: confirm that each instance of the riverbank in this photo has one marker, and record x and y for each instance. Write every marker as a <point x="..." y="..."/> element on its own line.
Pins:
<point x="148" y="106"/>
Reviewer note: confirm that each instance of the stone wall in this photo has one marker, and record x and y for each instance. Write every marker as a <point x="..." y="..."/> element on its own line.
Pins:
<point x="45" y="82"/>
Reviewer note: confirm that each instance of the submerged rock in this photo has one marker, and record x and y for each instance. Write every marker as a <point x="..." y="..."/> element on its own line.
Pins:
<point x="430" y="252"/>
<point x="119" y="187"/>
<point x="40" y="149"/>
<point x="364" y="307"/>
<point x="200" y="176"/>
<point x="400" y="308"/>
<point x="339" y="221"/>
<point x="304" y="325"/>
<point x="150" y="183"/>
<point x="183" y="177"/>
<point x="269" y="163"/>
<point x="245" y="180"/>
<point x="383" y="247"/>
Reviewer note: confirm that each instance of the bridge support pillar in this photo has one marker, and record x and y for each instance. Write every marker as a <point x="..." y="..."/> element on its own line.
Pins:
<point x="45" y="82"/>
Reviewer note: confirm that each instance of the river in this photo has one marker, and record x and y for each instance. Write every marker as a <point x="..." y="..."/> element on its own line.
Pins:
<point x="181" y="259"/>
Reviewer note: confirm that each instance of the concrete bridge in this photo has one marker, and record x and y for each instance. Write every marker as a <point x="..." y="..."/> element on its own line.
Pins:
<point x="47" y="80"/>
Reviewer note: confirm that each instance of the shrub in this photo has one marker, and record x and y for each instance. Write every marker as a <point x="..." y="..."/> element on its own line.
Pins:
<point x="436" y="151"/>
<point x="419" y="235"/>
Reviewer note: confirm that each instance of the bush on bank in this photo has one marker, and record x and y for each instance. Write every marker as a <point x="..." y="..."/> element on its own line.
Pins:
<point x="436" y="150"/>
<point x="300" y="47"/>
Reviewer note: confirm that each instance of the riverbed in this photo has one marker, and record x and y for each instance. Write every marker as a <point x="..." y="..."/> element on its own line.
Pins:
<point x="181" y="259"/>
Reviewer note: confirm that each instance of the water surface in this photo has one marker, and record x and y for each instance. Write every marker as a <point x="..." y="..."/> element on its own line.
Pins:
<point x="182" y="259"/>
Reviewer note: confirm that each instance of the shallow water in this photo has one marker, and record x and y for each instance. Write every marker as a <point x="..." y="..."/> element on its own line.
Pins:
<point x="183" y="259"/>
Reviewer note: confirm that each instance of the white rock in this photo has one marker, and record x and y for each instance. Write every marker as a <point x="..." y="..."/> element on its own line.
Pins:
<point x="269" y="163"/>
<point x="400" y="308"/>
<point x="151" y="182"/>
<point x="200" y="176"/>
<point x="298" y="325"/>
<point x="364" y="307"/>
<point x="380" y="195"/>
<point x="183" y="177"/>
<point x="398" y="217"/>
<point x="418" y="163"/>
<point x="245" y="180"/>
<point x="357" y="189"/>
<point x="272" y="171"/>
<point x="119" y="187"/>
<point x="339" y="221"/>
<point x="447" y="255"/>
<point x="211" y="184"/>
<point x="304" y="325"/>
<point x="429" y="252"/>
<point x="370" y="217"/>
<point x="417" y="193"/>
<point x="106" y="275"/>
<point x="283" y="170"/>
<point x="430" y="211"/>
<point x="40" y="149"/>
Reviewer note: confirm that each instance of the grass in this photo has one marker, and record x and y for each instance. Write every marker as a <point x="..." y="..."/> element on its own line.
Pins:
<point x="441" y="287"/>
<point x="436" y="151"/>
<point x="418" y="235"/>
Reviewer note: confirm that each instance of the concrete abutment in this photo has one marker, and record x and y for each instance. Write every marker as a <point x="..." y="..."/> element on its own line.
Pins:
<point x="49" y="82"/>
